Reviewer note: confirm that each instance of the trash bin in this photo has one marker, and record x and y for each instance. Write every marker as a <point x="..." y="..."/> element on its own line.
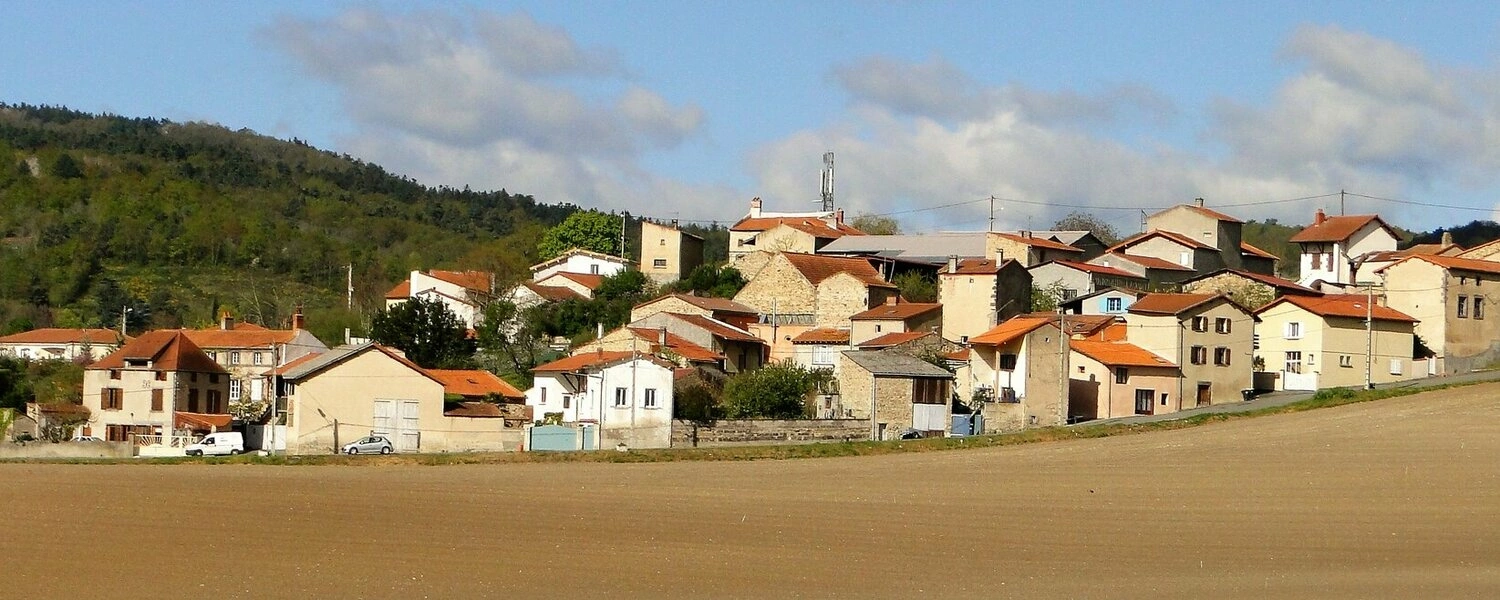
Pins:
<point x="1248" y="395"/>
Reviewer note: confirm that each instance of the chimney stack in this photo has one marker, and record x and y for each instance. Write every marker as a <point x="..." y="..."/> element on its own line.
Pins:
<point x="661" y="338"/>
<point x="226" y="322"/>
<point x="297" y="319"/>
<point x="754" y="208"/>
<point x="889" y="300"/>
<point x="952" y="264"/>
<point x="1447" y="239"/>
<point x="1199" y="202"/>
<point x="838" y="216"/>
<point x="1319" y="217"/>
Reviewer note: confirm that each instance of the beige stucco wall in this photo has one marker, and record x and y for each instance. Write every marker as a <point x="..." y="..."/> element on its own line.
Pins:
<point x="136" y="405"/>
<point x="1324" y="342"/>
<point x="1112" y="399"/>
<point x="968" y="304"/>
<point x="346" y="393"/>
<point x="1171" y="339"/>
<point x="867" y="329"/>
<point x="679" y="252"/>
<point x="1429" y="293"/>
<point x="1041" y="364"/>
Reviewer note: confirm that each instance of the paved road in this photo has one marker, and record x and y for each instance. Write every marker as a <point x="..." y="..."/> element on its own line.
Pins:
<point x="1280" y="398"/>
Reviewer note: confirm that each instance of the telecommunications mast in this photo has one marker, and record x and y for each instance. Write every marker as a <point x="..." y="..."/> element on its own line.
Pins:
<point x="827" y="187"/>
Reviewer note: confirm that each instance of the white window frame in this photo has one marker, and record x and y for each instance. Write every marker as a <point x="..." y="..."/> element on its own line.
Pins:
<point x="649" y="399"/>
<point x="256" y="358"/>
<point x="1293" y="330"/>
<point x="622" y="397"/>
<point x="1396" y="366"/>
<point x="1114" y="305"/>
<point x="234" y="390"/>
<point x="1292" y="365"/>
<point x="823" y="355"/>
<point x="1346" y="361"/>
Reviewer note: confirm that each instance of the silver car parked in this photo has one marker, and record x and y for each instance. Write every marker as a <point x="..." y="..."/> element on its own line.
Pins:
<point x="369" y="445"/>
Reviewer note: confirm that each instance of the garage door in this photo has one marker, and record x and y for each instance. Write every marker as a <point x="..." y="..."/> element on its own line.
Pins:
<point x="398" y="421"/>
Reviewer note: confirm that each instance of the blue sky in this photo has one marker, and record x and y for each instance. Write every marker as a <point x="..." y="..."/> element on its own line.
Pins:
<point x="689" y="109"/>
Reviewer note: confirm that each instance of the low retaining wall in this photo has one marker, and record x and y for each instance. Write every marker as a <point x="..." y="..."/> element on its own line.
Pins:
<point x="66" y="450"/>
<point x="741" y="432"/>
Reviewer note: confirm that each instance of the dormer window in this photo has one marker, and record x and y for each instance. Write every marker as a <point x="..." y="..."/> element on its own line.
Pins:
<point x="139" y="363"/>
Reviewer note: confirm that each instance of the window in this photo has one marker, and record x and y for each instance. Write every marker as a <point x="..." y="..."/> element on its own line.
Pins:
<point x="234" y="390"/>
<point x="1186" y="259"/>
<point x="660" y="263"/>
<point x="1122" y="375"/>
<point x="1200" y="324"/>
<point x="212" y="377"/>
<point x="111" y="398"/>
<point x="1294" y="331"/>
<point x="650" y="398"/>
<point x="567" y="401"/>
<point x="1143" y="401"/>
<point x="1294" y="362"/>
<point x="928" y="391"/>
<point x="114" y="373"/>
<point x="593" y="269"/>
<point x="288" y="388"/>
<point x="542" y="396"/>
<point x="1069" y="293"/>
<point x="1478" y="307"/>
<point x="1221" y="356"/>
<point x="1221" y="324"/>
<point x="161" y="375"/>
<point x="823" y="355"/>
<point x="1199" y="355"/>
<point x="193" y="377"/>
<point x="257" y="358"/>
<point x="1395" y="366"/>
<point x="620" y="397"/>
<point x="1346" y="361"/>
<point x="1317" y="261"/>
<point x="193" y="400"/>
<point x="234" y="358"/>
<point x="1463" y="306"/>
<point x="662" y="242"/>
<point x="215" y="402"/>
<point x="156" y="400"/>
<point x="1007" y="362"/>
<point x="1114" y="305"/>
<point x="877" y="328"/>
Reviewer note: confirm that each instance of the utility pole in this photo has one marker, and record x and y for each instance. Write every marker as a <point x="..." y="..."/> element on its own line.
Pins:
<point x="992" y="213"/>
<point x="1062" y="352"/>
<point x="1369" y="335"/>
<point x="123" y="311"/>
<point x="349" y="294"/>
<point x="624" y="224"/>
<point x="1341" y="203"/>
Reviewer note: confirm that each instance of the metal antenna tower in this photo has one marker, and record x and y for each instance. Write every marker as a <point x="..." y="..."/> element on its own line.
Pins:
<point x="827" y="187"/>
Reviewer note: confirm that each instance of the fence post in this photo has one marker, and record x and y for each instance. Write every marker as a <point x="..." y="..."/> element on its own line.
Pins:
<point x="335" y="436"/>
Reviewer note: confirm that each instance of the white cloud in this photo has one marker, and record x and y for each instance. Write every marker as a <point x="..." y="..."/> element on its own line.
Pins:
<point x="480" y="99"/>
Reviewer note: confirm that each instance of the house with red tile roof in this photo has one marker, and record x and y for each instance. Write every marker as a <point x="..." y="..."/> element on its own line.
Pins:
<point x="62" y="344"/>
<point x="896" y="317"/>
<point x="819" y="347"/>
<point x="1209" y="336"/>
<point x="1016" y="372"/>
<point x="817" y="290"/>
<point x="978" y="293"/>
<point x="249" y="352"/>
<point x="625" y="397"/>
<point x="1316" y="342"/>
<point x="349" y="392"/>
<point x="733" y="349"/>
<point x="658" y="341"/>
<point x="156" y="387"/>
<point x="723" y="309"/>
<point x="580" y="261"/>
<point x="802" y="232"/>
<point x="1454" y="301"/>
<point x="1160" y="274"/>
<point x="1333" y="246"/>
<point x="1117" y="379"/>
<point x="1027" y="248"/>
<point x="462" y="292"/>
<point x="1067" y="279"/>
<point x="1224" y="234"/>
<point x="1252" y="290"/>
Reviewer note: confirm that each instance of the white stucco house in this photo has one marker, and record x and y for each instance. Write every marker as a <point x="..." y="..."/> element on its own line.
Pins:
<point x="579" y="261"/>
<point x="626" y="395"/>
<point x="464" y="293"/>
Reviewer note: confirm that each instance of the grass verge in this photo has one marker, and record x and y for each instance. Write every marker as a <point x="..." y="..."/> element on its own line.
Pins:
<point x="1323" y="399"/>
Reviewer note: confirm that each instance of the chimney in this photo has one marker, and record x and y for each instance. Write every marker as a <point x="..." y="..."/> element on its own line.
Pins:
<point x="661" y="338"/>
<point x="226" y="322"/>
<point x="1319" y="217"/>
<point x="298" y="321"/>
<point x="1198" y="201"/>
<point x="1447" y="238"/>
<point x="952" y="264"/>
<point x="754" y="208"/>
<point x="1025" y="234"/>
<point x="889" y="300"/>
<point x="838" y="216"/>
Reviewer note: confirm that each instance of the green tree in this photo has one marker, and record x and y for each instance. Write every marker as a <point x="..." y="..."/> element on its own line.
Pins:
<point x="719" y="281"/>
<point x="66" y="167"/>
<point x="1046" y="298"/>
<point x="1080" y="221"/>
<point x="876" y="224"/>
<point x="430" y="334"/>
<point x="916" y="287"/>
<point x="777" y="391"/>
<point x="510" y="342"/>
<point x="590" y="230"/>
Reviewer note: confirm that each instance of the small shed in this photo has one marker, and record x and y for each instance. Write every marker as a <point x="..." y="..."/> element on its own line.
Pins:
<point x="896" y="391"/>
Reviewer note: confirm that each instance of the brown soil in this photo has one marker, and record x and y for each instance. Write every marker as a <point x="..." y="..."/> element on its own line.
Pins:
<point x="1395" y="498"/>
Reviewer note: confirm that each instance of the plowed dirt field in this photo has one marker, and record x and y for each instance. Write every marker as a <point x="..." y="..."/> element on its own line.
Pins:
<point x="1397" y="498"/>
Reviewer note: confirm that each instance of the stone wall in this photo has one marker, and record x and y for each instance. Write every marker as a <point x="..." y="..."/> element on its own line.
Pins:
<point x="67" y="450"/>
<point x="746" y="432"/>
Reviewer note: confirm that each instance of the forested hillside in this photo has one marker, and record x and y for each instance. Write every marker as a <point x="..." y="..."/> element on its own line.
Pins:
<point x="179" y="220"/>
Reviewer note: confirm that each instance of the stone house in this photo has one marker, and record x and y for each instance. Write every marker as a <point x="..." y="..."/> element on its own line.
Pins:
<point x="1315" y="342"/>
<point x="895" y="317"/>
<point x="819" y="348"/>
<point x="657" y="341"/>
<point x="1207" y="227"/>
<point x="801" y="232"/>
<point x="249" y="352"/>
<point x="1116" y="379"/>
<point x="668" y="253"/>
<point x="1367" y="267"/>
<point x="158" y="385"/>
<point x="1160" y="274"/>
<point x="814" y="290"/>
<point x="1071" y="279"/>
<point x="1251" y="290"/>
<point x="722" y="309"/>
<point x="582" y="284"/>
<point x="62" y="344"/>
<point x="896" y="391"/>
<point x="1210" y="337"/>
<point x="977" y="294"/>
<point x="464" y="293"/>
<point x="1018" y="373"/>
<point x="335" y="397"/>
<point x="627" y="396"/>
<point x="1451" y="298"/>
<point x="1027" y="248"/>
<point x="1332" y="246"/>
<point x="1487" y="251"/>
<point x="739" y="349"/>
<point x="910" y="342"/>
<point x="1171" y="247"/>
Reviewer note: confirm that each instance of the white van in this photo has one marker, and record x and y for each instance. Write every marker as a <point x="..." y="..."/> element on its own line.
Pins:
<point x="223" y="442"/>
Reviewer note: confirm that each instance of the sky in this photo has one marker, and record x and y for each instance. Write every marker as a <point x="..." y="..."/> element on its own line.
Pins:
<point x="687" y="110"/>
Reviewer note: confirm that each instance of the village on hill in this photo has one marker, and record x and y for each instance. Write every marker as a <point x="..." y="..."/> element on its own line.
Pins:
<point x="821" y="336"/>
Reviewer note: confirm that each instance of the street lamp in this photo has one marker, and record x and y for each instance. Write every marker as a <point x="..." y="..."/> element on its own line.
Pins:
<point x="124" y="310"/>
